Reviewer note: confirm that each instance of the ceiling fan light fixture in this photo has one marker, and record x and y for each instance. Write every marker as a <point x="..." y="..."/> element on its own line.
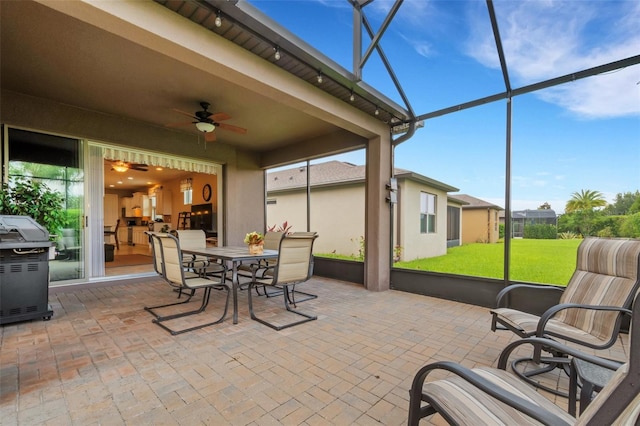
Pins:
<point x="205" y="127"/>
<point x="120" y="167"/>
<point x="277" y="55"/>
<point x="218" y="20"/>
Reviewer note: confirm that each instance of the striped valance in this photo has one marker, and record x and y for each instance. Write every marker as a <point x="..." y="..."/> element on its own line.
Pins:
<point x="134" y="155"/>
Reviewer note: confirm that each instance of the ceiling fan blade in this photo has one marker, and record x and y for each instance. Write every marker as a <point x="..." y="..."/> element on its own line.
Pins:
<point x="210" y="136"/>
<point x="220" y="116"/>
<point x="184" y="123"/>
<point x="188" y="114"/>
<point x="232" y="128"/>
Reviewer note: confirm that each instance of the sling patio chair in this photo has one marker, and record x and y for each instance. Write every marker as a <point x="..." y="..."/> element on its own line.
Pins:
<point x="591" y="307"/>
<point x="485" y="395"/>
<point x="193" y="239"/>
<point x="272" y="242"/>
<point x="294" y="266"/>
<point x="246" y="269"/>
<point x="173" y="271"/>
<point x="156" y="252"/>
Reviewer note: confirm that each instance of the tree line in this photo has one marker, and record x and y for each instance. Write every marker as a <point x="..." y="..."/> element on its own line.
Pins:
<point x="587" y="213"/>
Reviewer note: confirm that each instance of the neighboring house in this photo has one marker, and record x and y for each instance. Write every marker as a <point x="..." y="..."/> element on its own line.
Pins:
<point x="454" y="221"/>
<point x="480" y="220"/>
<point x="338" y="202"/>
<point x="522" y="218"/>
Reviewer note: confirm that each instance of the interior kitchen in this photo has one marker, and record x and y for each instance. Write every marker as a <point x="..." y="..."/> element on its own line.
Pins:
<point x="140" y="198"/>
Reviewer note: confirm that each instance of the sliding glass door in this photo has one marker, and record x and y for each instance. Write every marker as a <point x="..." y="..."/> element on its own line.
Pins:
<point x="57" y="163"/>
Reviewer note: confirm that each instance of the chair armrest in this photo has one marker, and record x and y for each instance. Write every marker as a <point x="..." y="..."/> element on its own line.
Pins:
<point x="262" y="268"/>
<point x="530" y="409"/>
<point x="512" y="287"/>
<point x="552" y="344"/>
<point x="552" y="311"/>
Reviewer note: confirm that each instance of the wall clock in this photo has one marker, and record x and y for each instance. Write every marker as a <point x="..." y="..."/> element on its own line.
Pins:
<point x="206" y="192"/>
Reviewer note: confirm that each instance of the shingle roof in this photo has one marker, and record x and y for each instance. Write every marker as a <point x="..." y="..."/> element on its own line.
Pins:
<point x="335" y="173"/>
<point x="474" y="203"/>
<point x="320" y="174"/>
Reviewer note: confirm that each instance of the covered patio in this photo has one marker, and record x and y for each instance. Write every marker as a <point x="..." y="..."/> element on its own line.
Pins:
<point x="100" y="360"/>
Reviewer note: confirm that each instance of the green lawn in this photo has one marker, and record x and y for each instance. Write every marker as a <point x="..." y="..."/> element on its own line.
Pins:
<point x="539" y="261"/>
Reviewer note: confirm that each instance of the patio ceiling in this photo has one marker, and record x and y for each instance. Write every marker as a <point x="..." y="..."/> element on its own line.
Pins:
<point x="52" y="55"/>
<point x="67" y="52"/>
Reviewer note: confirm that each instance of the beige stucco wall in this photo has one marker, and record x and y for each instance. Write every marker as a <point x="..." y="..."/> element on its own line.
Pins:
<point x="337" y="215"/>
<point x="479" y="226"/>
<point x="414" y="244"/>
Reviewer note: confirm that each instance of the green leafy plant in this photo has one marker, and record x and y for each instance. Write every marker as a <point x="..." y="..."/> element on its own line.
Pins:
<point x="26" y="197"/>
<point x="397" y="253"/>
<point x="568" y="235"/>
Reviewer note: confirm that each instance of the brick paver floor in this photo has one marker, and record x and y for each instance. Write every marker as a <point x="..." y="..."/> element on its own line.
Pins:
<point x="100" y="359"/>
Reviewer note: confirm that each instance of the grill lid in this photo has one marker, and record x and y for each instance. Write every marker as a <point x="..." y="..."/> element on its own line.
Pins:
<point x="21" y="229"/>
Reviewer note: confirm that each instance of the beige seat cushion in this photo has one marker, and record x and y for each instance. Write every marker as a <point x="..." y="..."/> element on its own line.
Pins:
<point x="469" y="406"/>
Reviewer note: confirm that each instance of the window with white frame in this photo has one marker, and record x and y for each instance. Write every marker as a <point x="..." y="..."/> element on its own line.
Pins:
<point x="186" y="186"/>
<point x="427" y="213"/>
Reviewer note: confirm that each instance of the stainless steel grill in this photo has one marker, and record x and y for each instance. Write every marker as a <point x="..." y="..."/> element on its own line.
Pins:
<point x="24" y="270"/>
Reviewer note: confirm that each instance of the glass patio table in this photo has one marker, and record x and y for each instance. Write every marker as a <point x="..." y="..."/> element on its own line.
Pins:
<point x="233" y="255"/>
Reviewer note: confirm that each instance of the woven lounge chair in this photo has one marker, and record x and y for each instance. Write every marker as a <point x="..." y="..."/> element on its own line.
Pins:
<point x="487" y="395"/>
<point x="591" y="307"/>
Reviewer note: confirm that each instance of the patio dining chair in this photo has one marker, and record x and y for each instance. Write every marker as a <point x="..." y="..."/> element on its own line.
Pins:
<point x="294" y="266"/>
<point x="487" y="395"/>
<point x="591" y="307"/>
<point x="173" y="271"/>
<point x="156" y="252"/>
<point x="246" y="269"/>
<point x="195" y="239"/>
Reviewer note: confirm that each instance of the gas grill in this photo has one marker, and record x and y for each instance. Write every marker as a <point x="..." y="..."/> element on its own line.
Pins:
<point x="24" y="270"/>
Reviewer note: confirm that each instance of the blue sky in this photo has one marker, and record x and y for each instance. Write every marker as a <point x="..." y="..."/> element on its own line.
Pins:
<point x="581" y="135"/>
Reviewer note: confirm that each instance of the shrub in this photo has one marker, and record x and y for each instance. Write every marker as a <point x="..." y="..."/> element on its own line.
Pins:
<point x="540" y="232"/>
<point x="606" y="233"/>
<point x="608" y="226"/>
<point x="630" y="227"/>
<point x="25" y="197"/>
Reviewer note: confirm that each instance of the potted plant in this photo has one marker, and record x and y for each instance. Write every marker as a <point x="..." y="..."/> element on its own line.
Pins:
<point x="255" y="240"/>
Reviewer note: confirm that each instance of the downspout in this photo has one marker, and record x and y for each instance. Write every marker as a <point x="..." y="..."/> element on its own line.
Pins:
<point x="410" y="132"/>
<point x="408" y="135"/>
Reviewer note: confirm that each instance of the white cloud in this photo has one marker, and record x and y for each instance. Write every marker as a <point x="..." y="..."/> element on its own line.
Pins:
<point x="547" y="39"/>
<point x="422" y="47"/>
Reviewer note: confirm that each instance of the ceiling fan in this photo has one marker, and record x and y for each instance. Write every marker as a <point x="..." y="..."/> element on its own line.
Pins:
<point x="207" y="122"/>
<point x="123" y="166"/>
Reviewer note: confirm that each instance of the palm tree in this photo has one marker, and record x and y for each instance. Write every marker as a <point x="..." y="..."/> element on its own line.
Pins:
<point x="583" y="204"/>
<point x="585" y="200"/>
